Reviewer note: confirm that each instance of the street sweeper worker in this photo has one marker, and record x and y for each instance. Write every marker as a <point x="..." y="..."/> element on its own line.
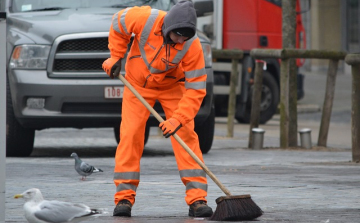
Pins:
<point x="165" y="63"/>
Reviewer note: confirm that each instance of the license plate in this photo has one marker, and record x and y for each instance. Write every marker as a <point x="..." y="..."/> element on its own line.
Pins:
<point x="113" y="92"/>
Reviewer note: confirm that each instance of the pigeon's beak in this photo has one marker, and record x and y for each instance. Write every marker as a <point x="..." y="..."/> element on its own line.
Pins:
<point x="16" y="196"/>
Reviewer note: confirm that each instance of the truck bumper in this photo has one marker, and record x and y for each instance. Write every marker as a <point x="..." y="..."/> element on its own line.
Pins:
<point x="77" y="103"/>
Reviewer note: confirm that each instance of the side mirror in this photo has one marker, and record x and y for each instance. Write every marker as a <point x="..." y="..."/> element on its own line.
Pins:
<point x="203" y="7"/>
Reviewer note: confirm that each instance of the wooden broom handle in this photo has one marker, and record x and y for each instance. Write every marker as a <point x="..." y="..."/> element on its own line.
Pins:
<point x="178" y="139"/>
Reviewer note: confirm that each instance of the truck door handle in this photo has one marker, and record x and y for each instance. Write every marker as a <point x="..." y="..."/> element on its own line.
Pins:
<point x="263" y="41"/>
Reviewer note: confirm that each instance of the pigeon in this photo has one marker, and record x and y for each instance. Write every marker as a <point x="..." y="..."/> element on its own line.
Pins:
<point x="83" y="168"/>
<point x="38" y="210"/>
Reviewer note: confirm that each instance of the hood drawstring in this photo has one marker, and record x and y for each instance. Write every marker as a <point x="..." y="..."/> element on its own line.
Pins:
<point x="168" y="44"/>
<point x="167" y="51"/>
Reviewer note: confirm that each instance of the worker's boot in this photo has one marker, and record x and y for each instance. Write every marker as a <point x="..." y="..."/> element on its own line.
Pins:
<point x="123" y="208"/>
<point x="200" y="209"/>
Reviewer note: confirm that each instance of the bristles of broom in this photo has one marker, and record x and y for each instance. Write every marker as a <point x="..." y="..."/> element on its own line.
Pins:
<point x="236" y="208"/>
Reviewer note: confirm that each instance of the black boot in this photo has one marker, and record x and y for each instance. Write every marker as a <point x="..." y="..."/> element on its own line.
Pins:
<point x="123" y="208"/>
<point x="200" y="209"/>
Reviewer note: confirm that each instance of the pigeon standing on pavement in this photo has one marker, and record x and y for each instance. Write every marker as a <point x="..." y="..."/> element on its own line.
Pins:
<point x="38" y="210"/>
<point x="84" y="169"/>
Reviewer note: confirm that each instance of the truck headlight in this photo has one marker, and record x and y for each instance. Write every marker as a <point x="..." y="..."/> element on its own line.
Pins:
<point x="30" y="57"/>
<point x="207" y="54"/>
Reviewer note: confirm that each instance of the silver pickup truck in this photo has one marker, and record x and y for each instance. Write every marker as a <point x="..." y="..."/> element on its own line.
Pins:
<point x="55" y="50"/>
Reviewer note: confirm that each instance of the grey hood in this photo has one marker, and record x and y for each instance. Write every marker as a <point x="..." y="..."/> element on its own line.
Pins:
<point x="181" y="15"/>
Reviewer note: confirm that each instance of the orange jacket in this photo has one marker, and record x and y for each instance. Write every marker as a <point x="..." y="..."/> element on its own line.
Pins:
<point x="151" y="63"/>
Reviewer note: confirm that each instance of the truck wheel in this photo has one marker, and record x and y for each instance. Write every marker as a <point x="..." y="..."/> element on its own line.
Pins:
<point x="269" y="100"/>
<point x="19" y="140"/>
<point x="205" y="132"/>
<point x="117" y="134"/>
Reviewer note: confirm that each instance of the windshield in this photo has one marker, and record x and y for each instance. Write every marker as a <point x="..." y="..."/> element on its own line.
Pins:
<point x="48" y="5"/>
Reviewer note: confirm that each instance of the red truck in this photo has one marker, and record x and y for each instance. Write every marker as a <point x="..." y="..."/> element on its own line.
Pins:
<point x="245" y="25"/>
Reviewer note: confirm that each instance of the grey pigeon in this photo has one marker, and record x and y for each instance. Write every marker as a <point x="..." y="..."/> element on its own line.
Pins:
<point x="84" y="169"/>
<point x="38" y="210"/>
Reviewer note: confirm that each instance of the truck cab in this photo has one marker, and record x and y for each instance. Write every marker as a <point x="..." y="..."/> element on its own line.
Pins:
<point x="245" y="25"/>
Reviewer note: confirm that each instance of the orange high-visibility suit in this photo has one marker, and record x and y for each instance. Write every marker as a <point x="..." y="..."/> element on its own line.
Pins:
<point x="172" y="73"/>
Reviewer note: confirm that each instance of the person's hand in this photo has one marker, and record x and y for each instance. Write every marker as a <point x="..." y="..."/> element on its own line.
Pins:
<point x="112" y="67"/>
<point x="170" y="127"/>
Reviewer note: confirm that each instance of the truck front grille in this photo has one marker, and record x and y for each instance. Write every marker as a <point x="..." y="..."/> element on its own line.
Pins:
<point x="84" y="65"/>
<point x="79" y="56"/>
<point x="84" y="45"/>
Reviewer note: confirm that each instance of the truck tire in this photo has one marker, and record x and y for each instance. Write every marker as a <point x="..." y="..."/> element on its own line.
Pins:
<point x="117" y="134"/>
<point x="269" y="101"/>
<point x="205" y="132"/>
<point x="19" y="140"/>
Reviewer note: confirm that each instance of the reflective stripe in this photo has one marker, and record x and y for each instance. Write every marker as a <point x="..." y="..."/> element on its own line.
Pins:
<point x="178" y="57"/>
<point x="182" y="52"/>
<point x="146" y="33"/>
<point x="192" y="173"/>
<point x="195" y="85"/>
<point x="115" y="23"/>
<point x="126" y="176"/>
<point x="196" y="185"/>
<point x="144" y="37"/>
<point x="195" y="73"/>
<point x="122" y="21"/>
<point x="155" y="71"/>
<point x="122" y="187"/>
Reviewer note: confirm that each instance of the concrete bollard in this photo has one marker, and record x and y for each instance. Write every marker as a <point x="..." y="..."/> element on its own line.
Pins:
<point x="305" y="138"/>
<point x="257" y="138"/>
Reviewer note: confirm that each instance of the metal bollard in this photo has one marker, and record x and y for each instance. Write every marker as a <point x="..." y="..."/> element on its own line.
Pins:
<point x="257" y="138"/>
<point x="305" y="138"/>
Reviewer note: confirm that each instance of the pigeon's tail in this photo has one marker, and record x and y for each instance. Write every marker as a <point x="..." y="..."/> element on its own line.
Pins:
<point x="97" y="170"/>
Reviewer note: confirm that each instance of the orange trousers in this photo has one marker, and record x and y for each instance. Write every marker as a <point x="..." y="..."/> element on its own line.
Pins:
<point x="130" y="148"/>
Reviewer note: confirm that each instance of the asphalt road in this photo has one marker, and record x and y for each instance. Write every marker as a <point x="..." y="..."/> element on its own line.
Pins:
<point x="290" y="185"/>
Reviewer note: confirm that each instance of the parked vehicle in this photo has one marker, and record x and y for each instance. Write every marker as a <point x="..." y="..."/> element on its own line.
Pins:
<point x="55" y="51"/>
<point x="245" y="25"/>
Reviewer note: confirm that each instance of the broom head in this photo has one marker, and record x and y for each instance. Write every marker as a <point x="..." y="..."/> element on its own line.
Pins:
<point x="236" y="208"/>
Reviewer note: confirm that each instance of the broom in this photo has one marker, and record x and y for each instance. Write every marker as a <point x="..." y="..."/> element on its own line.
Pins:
<point x="229" y="207"/>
